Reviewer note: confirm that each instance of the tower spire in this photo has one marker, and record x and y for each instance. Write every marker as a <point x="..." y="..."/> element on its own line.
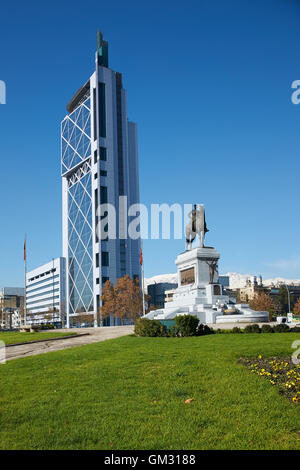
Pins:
<point x="102" y="49"/>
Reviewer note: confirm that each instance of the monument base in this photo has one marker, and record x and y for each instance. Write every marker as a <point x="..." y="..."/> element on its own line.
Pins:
<point x="199" y="292"/>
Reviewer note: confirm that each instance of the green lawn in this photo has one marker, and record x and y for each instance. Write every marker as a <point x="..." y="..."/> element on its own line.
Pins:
<point x="16" y="337"/>
<point x="102" y="396"/>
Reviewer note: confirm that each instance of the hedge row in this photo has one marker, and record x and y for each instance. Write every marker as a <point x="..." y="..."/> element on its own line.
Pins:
<point x="185" y="325"/>
<point x="188" y="325"/>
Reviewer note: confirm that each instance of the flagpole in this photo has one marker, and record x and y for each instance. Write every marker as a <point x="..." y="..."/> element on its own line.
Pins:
<point x="143" y="279"/>
<point x="25" y="282"/>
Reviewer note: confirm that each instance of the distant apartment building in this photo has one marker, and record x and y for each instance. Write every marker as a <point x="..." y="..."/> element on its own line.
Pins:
<point x="224" y="281"/>
<point x="294" y="293"/>
<point x="11" y="297"/>
<point x="46" y="293"/>
<point x="157" y="292"/>
<point x="252" y="287"/>
<point x="11" y="304"/>
<point x="169" y="295"/>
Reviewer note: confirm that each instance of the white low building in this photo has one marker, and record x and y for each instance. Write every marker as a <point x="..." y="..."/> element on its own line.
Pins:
<point x="46" y="293"/>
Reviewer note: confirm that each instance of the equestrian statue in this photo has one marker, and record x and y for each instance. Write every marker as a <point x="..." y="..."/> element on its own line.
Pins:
<point x="197" y="226"/>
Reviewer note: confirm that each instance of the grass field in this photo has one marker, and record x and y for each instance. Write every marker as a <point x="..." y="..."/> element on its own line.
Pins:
<point x="129" y="393"/>
<point x="17" y="337"/>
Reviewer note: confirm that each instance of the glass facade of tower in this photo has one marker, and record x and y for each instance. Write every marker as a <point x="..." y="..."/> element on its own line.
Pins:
<point x="99" y="165"/>
<point x="76" y="150"/>
<point x="76" y="136"/>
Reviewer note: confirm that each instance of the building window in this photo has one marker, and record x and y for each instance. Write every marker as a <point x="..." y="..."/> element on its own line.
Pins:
<point x="103" y="173"/>
<point x="104" y="279"/>
<point x="96" y="216"/>
<point x="95" y="176"/>
<point x="97" y="260"/>
<point x="103" y="195"/>
<point x="95" y="113"/>
<point x="102" y="110"/>
<point x="103" y="154"/>
<point x="95" y="156"/>
<point x="105" y="258"/>
<point x="97" y="280"/>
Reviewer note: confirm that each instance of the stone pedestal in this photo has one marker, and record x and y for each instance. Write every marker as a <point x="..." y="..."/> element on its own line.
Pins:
<point x="198" y="278"/>
<point x="199" y="263"/>
<point x="199" y="292"/>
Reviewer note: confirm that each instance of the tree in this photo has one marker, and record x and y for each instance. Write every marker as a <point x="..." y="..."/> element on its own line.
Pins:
<point x="152" y="307"/>
<point x="122" y="301"/>
<point x="128" y="299"/>
<point x="109" y="302"/>
<point x="297" y="307"/>
<point x="84" y="318"/>
<point x="262" y="301"/>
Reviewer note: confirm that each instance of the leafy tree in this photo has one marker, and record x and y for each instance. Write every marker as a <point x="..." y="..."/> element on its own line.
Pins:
<point x="263" y="302"/>
<point x="109" y="302"/>
<point x="124" y="300"/>
<point x="84" y="318"/>
<point x="297" y="307"/>
<point x="128" y="299"/>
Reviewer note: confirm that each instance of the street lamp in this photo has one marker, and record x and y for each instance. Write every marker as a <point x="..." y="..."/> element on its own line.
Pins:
<point x="289" y="298"/>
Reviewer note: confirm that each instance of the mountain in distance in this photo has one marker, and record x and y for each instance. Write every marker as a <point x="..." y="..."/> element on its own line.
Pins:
<point x="236" y="280"/>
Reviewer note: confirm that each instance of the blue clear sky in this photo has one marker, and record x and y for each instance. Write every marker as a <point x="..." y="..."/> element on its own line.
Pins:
<point x="208" y="83"/>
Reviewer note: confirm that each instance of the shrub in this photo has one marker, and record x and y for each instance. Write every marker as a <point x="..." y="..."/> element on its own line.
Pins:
<point x="236" y="329"/>
<point x="252" y="328"/>
<point x="173" y="332"/>
<point x="267" y="329"/>
<point x="146" y="327"/>
<point x="187" y="324"/>
<point x="282" y="328"/>
<point x="47" y="326"/>
<point x="204" y="330"/>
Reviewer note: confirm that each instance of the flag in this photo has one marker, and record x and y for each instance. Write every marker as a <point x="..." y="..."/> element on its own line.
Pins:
<point x="25" y="249"/>
<point x="141" y="257"/>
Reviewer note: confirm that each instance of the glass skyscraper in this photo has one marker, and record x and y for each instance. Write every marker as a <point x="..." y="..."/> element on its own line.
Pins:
<point x="99" y="165"/>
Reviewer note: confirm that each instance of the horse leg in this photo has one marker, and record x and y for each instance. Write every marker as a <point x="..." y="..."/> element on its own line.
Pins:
<point x="201" y="237"/>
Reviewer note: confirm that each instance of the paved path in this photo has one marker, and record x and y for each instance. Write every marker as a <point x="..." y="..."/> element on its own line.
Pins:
<point x="95" y="336"/>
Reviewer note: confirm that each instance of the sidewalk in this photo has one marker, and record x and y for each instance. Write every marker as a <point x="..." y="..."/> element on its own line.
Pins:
<point x="95" y="336"/>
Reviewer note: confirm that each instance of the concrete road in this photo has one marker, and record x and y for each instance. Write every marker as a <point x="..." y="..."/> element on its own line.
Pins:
<point x="95" y="336"/>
